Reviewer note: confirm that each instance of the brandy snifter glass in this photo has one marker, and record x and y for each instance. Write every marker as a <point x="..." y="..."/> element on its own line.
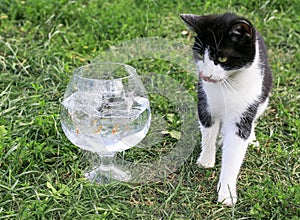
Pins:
<point x="105" y="110"/>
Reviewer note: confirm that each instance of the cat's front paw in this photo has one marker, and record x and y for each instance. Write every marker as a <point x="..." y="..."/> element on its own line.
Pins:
<point x="227" y="200"/>
<point x="227" y="194"/>
<point x="205" y="162"/>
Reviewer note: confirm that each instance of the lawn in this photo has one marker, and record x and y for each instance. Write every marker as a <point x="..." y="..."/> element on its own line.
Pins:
<point x="42" y="42"/>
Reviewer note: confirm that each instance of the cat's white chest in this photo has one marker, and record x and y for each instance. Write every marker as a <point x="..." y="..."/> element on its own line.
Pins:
<point x="233" y="97"/>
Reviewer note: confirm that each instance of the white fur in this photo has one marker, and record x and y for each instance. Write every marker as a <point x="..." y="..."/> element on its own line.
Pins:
<point x="227" y="102"/>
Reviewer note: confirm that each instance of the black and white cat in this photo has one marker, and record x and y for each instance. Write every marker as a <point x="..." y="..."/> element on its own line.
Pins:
<point x="235" y="81"/>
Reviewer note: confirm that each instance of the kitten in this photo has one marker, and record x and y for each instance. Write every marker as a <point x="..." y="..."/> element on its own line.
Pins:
<point x="235" y="81"/>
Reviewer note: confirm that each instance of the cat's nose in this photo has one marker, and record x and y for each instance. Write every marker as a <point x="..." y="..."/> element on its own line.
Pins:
<point x="207" y="78"/>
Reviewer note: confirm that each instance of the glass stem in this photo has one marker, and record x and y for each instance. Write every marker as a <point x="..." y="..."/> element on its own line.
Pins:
<point x="107" y="161"/>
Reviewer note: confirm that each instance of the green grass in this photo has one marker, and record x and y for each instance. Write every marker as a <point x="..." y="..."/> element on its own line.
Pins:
<point x="41" y="42"/>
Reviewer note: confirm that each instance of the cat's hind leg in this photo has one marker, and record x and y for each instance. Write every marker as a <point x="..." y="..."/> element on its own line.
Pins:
<point x="207" y="157"/>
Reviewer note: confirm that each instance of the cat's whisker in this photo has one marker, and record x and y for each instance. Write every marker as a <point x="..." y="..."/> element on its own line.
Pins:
<point x="232" y="83"/>
<point x="199" y="43"/>
<point x="234" y="88"/>
<point x="220" y="41"/>
<point x="197" y="47"/>
<point x="229" y="87"/>
<point x="224" y="87"/>
<point x="215" y="39"/>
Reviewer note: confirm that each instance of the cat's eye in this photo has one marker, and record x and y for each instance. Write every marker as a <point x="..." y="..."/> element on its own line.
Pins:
<point x="222" y="59"/>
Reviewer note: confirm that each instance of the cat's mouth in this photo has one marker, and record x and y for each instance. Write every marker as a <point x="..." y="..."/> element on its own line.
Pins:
<point x="208" y="78"/>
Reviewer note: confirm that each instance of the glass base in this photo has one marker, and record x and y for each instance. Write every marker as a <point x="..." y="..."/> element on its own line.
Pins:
<point x="102" y="175"/>
<point x="107" y="172"/>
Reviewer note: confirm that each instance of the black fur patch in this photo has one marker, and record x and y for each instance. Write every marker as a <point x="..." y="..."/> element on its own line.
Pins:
<point x="246" y="122"/>
<point x="266" y="70"/>
<point x="203" y="108"/>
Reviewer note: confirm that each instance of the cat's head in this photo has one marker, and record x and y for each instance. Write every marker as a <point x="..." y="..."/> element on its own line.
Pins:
<point x="224" y="44"/>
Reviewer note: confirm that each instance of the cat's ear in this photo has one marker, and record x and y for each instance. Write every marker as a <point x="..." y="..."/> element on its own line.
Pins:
<point x="241" y="31"/>
<point x="191" y="20"/>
